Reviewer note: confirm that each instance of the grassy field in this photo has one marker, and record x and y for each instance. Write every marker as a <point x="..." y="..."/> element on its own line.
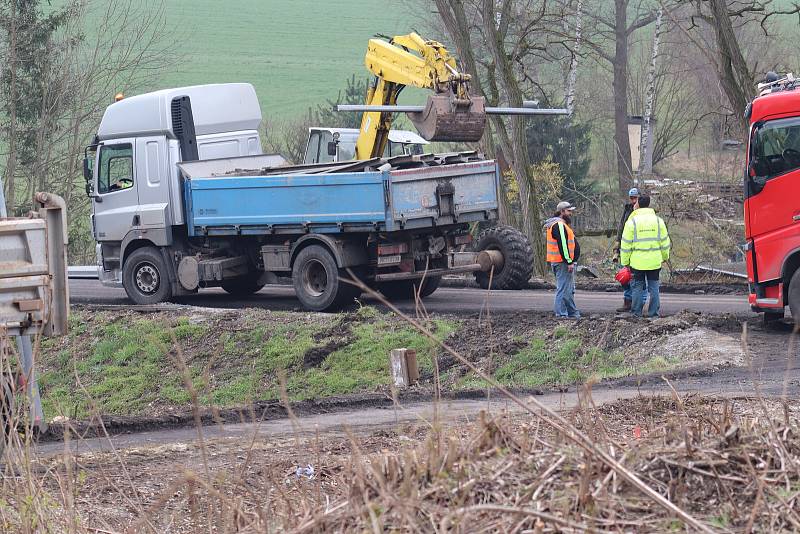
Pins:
<point x="296" y="53"/>
<point x="126" y="363"/>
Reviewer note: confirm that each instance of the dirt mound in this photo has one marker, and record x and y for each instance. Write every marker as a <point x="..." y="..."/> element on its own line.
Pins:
<point x="643" y="345"/>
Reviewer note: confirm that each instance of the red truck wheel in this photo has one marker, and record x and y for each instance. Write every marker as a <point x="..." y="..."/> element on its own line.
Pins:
<point x="794" y="296"/>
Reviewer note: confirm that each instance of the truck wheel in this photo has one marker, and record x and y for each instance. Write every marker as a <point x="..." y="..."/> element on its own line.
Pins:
<point x="406" y="289"/>
<point x="794" y="297"/>
<point x="243" y="285"/>
<point x="517" y="255"/>
<point x="145" y="277"/>
<point x="319" y="283"/>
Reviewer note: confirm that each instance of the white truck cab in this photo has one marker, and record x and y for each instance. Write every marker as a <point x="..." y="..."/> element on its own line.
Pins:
<point x="136" y="189"/>
<point x="339" y="144"/>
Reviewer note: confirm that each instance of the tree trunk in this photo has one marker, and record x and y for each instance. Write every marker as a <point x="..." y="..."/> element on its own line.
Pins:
<point x="735" y="77"/>
<point x="523" y="172"/>
<point x="11" y="130"/>
<point x="645" y="156"/>
<point x="454" y="17"/>
<point x="621" y="142"/>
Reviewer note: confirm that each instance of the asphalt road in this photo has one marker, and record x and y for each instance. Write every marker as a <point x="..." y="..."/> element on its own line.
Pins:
<point x="445" y="300"/>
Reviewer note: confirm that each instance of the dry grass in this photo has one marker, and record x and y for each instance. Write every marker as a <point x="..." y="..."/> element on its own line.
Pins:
<point x="653" y="464"/>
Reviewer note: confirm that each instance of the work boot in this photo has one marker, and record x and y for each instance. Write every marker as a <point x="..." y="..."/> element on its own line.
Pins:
<point x="626" y="306"/>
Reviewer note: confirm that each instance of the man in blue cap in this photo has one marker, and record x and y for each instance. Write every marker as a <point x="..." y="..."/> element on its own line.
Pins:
<point x="633" y="197"/>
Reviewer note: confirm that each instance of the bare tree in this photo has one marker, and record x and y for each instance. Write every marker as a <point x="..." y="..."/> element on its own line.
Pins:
<point x="77" y="74"/>
<point x="615" y="30"/>
<point x="717" y="28"/>
<point x="288" y="137"/>
<point x="504" y="46"/>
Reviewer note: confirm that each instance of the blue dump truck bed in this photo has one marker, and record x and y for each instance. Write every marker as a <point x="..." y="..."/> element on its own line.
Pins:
<point x="386" y="200"/>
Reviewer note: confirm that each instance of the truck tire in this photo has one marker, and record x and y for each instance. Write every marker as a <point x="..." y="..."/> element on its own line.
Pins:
<point x="794" y="297"/>
<point x="406" y="289"/>
<point x="145" y="277"/>
<point x="517" y="256"/>
<point x="319" y="283"/>
<point x="243" y="285"/>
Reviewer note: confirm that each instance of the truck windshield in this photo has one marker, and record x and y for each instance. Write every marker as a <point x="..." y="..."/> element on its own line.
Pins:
<point x="774" y="149"/>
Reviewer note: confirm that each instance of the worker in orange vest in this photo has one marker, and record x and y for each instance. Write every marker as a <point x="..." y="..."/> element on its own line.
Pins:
<point x="562" y="254"/>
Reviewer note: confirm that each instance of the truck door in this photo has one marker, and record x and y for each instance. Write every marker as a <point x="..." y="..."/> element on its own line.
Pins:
<point x="153" y="182"/>
<point x="116" y="201"/>
<point x="773" y="194"/>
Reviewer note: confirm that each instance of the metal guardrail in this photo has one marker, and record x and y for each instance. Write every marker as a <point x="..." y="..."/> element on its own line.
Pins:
<point x="82" y="272"/>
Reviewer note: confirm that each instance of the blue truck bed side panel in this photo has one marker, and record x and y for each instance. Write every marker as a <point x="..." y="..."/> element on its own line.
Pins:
<point x="414" y="190"/>
<point x="286" y="199"/>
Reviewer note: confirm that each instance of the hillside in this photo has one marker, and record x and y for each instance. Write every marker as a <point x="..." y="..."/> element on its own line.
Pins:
<point x="296" y="53"/>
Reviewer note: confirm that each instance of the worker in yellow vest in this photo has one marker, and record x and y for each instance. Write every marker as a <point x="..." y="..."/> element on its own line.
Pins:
<point x="645" y="246"/>
<point x="562" y="254"/>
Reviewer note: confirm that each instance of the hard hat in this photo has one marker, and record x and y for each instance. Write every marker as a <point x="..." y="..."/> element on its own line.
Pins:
<point x="565" y="206"/>
<point x="634" y="192"/>
<point x="624" y="276"/>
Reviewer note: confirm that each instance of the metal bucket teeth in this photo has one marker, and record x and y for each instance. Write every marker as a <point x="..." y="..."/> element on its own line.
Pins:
<point x="443" y="119"/>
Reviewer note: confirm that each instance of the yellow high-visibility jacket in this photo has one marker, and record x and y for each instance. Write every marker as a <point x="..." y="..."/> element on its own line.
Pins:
<point x="645" y="241"/>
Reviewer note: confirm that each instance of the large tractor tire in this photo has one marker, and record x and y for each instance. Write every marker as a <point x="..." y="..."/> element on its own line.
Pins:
<point x="145" y="277"/>
<point x="407" y="289"/>
<point x="517" y="258"/>
<point x="319" y="283"/>
<point x="794" y="297"/>
<point x="243" y="285"/>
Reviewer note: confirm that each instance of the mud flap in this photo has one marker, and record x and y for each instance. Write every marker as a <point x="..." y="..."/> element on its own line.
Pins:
<point x="449" y="119"/>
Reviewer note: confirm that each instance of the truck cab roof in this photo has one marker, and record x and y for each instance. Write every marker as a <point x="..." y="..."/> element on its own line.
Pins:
<point x="782" y="98"/>
<point x="395" y="136"/>
<point x="216" y="108"/>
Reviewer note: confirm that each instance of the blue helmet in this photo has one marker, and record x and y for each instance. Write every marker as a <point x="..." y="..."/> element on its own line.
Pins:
<point x="634" y="192"/>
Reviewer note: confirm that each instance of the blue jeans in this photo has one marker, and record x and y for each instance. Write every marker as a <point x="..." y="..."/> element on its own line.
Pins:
<point x="564" y="303"/>
<point x="645" y="281"/>
<point x="628" y="291"/>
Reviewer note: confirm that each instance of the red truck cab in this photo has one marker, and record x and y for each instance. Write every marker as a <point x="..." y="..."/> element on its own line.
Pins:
<point x="772" y="198"/>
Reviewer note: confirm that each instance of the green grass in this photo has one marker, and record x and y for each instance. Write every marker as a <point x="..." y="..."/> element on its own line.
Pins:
<point x="364" y="363"/>
<point x="296" y="53"/>
<point x="123" y="372"/>
<point x="127" y="366"/>
<point x="547" y="363"/>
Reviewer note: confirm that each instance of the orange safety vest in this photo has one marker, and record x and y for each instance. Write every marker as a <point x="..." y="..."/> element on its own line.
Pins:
<point x="553" y="252"/>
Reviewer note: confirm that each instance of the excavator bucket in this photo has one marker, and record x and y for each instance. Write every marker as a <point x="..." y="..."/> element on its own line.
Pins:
<point x="446" y="118"/>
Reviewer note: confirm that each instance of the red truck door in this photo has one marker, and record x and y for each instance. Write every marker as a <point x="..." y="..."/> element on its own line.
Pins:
<point x="772" y="209"/>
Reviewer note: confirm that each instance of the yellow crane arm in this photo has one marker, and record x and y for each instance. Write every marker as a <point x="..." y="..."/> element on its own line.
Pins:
<point x="405" y="60"/>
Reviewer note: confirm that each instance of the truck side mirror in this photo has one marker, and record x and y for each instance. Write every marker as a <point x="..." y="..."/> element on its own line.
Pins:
<point x="87" y="171"/>
<point x="332" y="148"/>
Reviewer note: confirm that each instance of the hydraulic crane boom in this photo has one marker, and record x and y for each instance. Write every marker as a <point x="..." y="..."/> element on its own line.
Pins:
<point x="451" y="113"/>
